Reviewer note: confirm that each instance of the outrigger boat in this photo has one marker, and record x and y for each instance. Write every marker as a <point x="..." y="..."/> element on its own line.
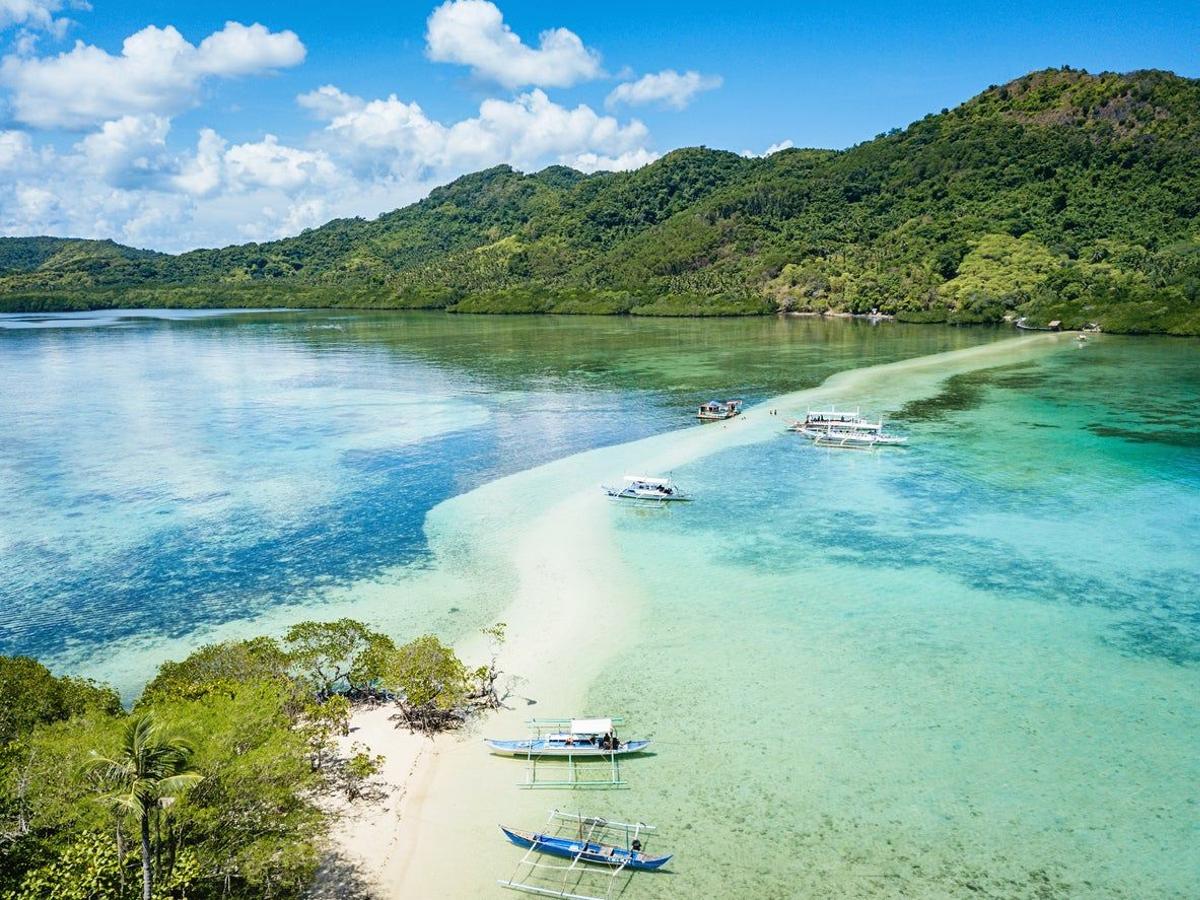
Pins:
<point x="718" y="410"/>
<point x="571" y="753"/>
<point x="845" y="429"/>
<point x="843" y="420"/>
<point x="582" y="737"/>
<point x="646" y="488"/>
<point x="603" y="857"/>
<point x="849" y="439"/>
<point x="574" y="847"/>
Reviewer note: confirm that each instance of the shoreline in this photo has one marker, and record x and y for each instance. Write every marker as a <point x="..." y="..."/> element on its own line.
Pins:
<point x="449" y="792"/>
<point x="828" y="315"/>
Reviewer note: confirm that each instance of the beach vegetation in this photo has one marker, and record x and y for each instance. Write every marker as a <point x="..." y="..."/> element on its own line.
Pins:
<point x="208" y="787"/>
<point x="431" y="684"/>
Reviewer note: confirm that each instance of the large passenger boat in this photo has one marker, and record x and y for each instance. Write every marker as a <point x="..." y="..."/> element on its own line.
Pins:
<point x="842" y="428"/>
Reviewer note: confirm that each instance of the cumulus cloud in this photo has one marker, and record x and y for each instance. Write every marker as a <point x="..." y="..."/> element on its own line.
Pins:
<point x="34" y="14"/>
<point x="398" y="138"/>
<point x="157" y="72"/>
<point x="130" y="177"/>
<point x="473" y="33"/>
<point x="666" y="88"/>
<point x="123" y="180"/>
<point x="328" y="102"/>
<point x="127" y="152"/>
<point x="269" y="164"/>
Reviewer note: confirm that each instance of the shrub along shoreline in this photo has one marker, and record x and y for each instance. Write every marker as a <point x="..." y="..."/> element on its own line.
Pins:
<point x="209" y="786"/>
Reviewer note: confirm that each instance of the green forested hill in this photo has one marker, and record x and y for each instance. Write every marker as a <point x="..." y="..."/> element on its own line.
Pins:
<point x="1061" y="195"/>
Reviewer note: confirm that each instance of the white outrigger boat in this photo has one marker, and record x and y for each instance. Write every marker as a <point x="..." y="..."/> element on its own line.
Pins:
<point x="850" y="439"/>
<point x="719" y="410"/>
<point x="842" y="428"/>
<point x="570" y="737"/>
<point x="571" y="753"/>
<point x="834" y="418"/>
<point x="646" y="488"/>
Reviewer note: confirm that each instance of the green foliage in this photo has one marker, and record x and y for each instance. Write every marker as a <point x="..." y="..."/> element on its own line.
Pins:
<point x="30" y="696"/>
<point x="87" y="868"/>
<point x="345" y="654"/>
<point x="361" y="767"/>
<point x="964" y="216"/>
<point x="431" y="683"/>
<point x="219" y="668"/>
<point x="152" y="766"/>
<point x="88" y="792"/>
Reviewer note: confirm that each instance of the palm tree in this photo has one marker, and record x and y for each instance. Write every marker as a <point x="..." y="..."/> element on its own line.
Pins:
<point x="151" y="765"/>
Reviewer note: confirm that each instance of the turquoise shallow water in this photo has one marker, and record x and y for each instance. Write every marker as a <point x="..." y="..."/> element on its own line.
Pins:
<point x="164" y="473"/>
<point x="965" y="668"/>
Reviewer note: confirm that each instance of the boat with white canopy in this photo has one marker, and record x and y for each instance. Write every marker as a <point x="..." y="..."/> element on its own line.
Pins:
<point x="834" y="418"/>
<point x="646" y="488"/>
<point x="571" y="753"/>
<point x="570" y="737"/>
<point x="845" y="429"/>
<point x="719" y="410"/>
<point x="851" y="440"/>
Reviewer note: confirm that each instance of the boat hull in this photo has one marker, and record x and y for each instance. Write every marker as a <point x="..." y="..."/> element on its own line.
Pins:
<point x="617" y="494"/>
<point x="591" y="852"/>
<point x="558" y="748"/>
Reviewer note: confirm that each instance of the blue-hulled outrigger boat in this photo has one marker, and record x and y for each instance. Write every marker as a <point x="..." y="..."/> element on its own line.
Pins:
<point x="602" y="854"/>
<point x="585" y="851"/>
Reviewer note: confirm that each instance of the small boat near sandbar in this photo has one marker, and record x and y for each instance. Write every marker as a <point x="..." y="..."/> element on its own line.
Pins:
<point x="570" y="738"/>
<point x="719" y="410"/>
<point x="646" y="488"/>
<point x="603" y="856"/>
<point x="586" y="851"/>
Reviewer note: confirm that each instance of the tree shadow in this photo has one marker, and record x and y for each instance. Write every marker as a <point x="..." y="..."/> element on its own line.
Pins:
<point x="340" y="878"/>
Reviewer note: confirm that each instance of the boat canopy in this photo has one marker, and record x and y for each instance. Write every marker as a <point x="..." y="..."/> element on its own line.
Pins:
<point x="646" y="479"/>
<point x="591" y="726"/>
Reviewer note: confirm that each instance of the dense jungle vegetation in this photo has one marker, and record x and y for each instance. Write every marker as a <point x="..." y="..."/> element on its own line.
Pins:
<point x="1061" y="195"/>
<point x="210" y="786"/>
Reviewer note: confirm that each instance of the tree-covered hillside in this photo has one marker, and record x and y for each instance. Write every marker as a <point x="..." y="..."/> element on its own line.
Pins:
<point x="1061" y="195"/>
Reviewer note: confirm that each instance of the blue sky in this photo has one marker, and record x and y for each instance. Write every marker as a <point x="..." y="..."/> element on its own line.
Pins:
<point x="205" y="133"/>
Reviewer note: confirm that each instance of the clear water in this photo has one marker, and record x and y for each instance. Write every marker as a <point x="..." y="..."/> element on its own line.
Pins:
<point x="163" y="474"/>
<point x="964" y="668"/>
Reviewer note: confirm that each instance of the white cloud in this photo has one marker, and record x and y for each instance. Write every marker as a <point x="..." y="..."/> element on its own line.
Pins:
<point x="630" y="159"/>
<point x="130" y="177"/>
<point x="38" y="14"/>
<point x="668" y="88"/>
<point x="397" y="138"/>
<point x="157" y="72"/>
<point x="269" y="164"/>
<point x="473" y="33"/>
<point x="328" y="102"/>
<point x="16" y="149"/>
<point x="127" y="152"/>
<point x="774" y="148"/>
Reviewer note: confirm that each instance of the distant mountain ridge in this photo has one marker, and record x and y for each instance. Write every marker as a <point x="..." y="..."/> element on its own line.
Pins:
<point x="1060" y="195"/>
